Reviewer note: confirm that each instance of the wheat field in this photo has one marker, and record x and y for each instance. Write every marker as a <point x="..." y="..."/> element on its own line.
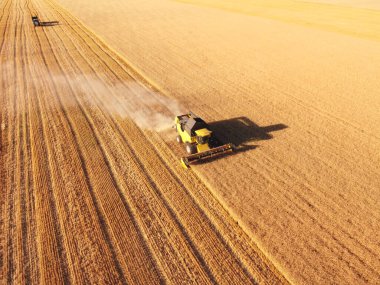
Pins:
<point x="92" y="190"/>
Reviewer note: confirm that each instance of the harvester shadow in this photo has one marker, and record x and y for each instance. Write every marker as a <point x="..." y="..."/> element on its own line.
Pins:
<point x="49" y="23"/>
<point x="241" y="131"/>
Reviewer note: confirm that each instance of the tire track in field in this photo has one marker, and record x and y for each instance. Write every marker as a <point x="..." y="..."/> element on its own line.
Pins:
<point x="54" y="187"/>
<point x="29" y="217"/>
<point x="22" y="272"/>
<point x="59" y="258"/>
<point x="83" y="238"/>
<point x="12" y="233"/>
<point x="144" y="263"/>
<point x="15" y="45"/>
<point x="92" y="134"/>
<point x="4" y="153"/>
<point x="85" y="177"/>
<point x="5" y="10"/>
<point x="49" y="238"/>
<point x="6" y="143"/>
<point x="63" y="249"/>
<point x="26" y="219"/>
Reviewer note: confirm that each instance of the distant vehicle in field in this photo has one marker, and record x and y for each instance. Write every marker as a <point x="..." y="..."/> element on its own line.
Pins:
<point x="198" y="138"/>
<point x="37" y="23"/>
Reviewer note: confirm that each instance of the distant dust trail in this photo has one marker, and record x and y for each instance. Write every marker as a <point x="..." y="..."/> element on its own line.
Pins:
<point x="156" y="112"/>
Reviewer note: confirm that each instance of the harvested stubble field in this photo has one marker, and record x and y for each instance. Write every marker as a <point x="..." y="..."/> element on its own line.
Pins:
<point x="91" y="187"/>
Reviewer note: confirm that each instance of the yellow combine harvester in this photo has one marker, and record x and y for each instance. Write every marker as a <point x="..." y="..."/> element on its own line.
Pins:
<point x="199" y="141"/>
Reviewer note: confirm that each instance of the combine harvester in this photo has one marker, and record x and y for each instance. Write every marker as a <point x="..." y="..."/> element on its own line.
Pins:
<point x="38" y="23"/>
<point x="199" y="141"/>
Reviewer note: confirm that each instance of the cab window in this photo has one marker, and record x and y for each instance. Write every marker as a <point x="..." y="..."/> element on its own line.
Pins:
<point x="202" y="140"/>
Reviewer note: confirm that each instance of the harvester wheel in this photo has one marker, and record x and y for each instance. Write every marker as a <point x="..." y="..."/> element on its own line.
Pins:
<point x="191" y="149"/>
<point x="179" y="139"/>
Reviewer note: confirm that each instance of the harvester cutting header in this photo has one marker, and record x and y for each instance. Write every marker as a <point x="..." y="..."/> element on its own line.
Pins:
<point x="198" y="138"/>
